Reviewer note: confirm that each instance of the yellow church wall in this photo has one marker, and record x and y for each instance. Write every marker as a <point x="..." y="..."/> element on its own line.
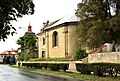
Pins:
<point x="47" y="44"/>
<point x="57" y="51"/>
<point x="41" y="46"/>
<point x="66" y="41"/>
<point x="72" y="36"/>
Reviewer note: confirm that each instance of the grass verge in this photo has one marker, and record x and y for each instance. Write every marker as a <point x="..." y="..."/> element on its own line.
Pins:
<point x="73" y="75"/>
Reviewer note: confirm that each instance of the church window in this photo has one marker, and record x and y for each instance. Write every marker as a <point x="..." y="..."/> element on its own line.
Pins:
<point x="43" y="41"/>
<point x="55" y="39"/>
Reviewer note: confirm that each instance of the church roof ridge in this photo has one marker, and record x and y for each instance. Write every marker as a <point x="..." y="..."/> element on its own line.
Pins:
<point x="62" y="20"/>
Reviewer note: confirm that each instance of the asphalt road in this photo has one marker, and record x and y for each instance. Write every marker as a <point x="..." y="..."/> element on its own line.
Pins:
<point x="8" y="73"/>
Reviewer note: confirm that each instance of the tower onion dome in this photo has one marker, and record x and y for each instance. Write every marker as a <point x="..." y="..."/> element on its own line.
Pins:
<point x="29" y="32"/>
<point x="30" y="28"/>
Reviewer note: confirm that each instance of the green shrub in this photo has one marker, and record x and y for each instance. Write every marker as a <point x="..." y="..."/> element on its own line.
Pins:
<point x="29" y="65"/>
<point x="80" y="53"/>
<point x="63" y="67"/>
<point x="54" y="67"/>
<point x="99" y="69"/>
<point x="45" y="66"/>
<point x="84" y="68"/>
<point x="57" y="67"/>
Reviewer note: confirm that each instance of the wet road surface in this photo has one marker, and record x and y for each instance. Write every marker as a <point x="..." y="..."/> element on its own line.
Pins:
<point x="8" y="73"/>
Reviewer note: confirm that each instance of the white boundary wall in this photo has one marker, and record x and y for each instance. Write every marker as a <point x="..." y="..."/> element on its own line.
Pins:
<point x="109" y="57"/>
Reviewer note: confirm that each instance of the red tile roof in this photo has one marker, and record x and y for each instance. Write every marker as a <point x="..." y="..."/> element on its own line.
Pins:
<point x="10" y="51"/>
<point x="93" y="51"/>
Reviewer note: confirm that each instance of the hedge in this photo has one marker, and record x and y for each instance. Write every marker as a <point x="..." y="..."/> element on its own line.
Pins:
<point x="52" y="66"/>
<point x="99" y="69"/>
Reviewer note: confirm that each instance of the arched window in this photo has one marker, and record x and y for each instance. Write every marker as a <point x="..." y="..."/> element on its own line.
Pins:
<point x="43" y="41"/>
<point x="55" y="39"/>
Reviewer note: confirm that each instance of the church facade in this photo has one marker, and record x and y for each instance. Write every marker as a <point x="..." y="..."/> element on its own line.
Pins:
<point x="58" y="38"/>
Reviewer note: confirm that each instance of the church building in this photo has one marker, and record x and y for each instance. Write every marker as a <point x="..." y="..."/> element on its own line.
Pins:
<point x="58" y="38"/>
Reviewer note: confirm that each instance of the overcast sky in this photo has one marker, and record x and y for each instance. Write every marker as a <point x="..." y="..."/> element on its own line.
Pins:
<point x="44" y="10"/>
